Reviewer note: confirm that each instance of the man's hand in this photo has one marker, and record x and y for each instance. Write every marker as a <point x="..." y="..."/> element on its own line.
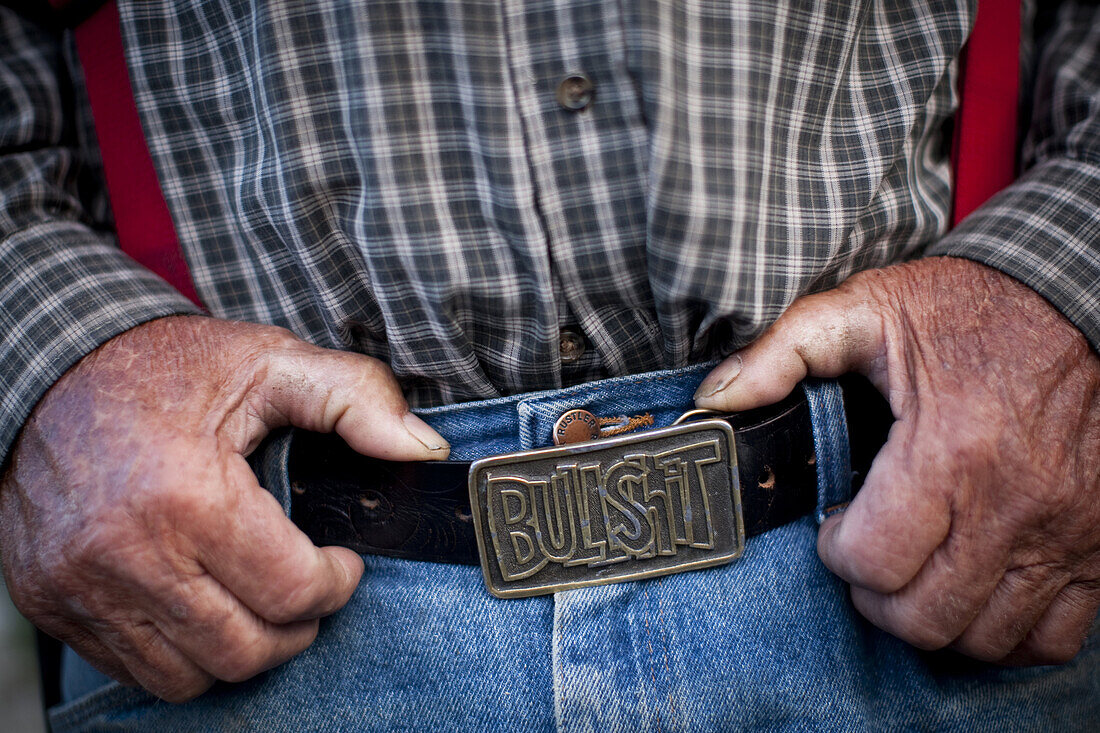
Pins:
<point x="132" y="528"/>
<point x="978" y="526"/>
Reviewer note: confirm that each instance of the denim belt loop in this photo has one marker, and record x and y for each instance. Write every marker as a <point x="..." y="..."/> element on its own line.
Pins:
<point x="830" y="428"/>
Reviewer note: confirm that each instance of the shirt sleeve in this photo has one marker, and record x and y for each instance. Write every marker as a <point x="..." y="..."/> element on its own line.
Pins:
<point x="1044" y="229"/>
<point x="65" y="287"/>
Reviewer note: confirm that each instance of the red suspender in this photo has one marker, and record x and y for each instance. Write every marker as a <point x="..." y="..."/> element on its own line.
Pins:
<point x="983" y="151"/>
<point x="145" y="228"/>
<point x="984" y="148"/>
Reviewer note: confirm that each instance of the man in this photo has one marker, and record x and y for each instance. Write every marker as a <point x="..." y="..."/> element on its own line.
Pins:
<point x="496" y="199"/>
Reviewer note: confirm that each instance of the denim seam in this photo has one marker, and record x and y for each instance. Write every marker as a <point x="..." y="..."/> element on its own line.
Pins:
<point x="565" y="392"/>
<point x="664" y="657"/>
<point x="557" y="677"/>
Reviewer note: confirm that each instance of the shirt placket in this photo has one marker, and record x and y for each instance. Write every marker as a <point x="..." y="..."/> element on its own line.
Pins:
<point x="587" y="141"/>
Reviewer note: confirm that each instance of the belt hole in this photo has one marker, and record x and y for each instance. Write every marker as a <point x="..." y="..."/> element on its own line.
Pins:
<point x="463" y="513"/>
<point x="766" y="480"/>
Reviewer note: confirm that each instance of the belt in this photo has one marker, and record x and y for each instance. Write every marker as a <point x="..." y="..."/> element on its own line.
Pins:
<point x="522" y="514"/>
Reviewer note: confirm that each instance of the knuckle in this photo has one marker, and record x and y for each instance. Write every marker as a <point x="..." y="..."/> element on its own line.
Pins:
<point x="1058" y="643"/>
<point x="281" y="337"/>
<point x="905" y="620"/>
<point x="234" y="668"/>
<point x="86" y="550"/>
<point x="971" y="451"/>
<point x="874" y="572"/>
<point x="919" y="630"/>
<point x="181" y="688"/>
<point x="855" y="558"/>
<point x="1059" y="651"/>
<point x="375" y="368"/>
<point x="184" y="503"/>
<point x="256" y="341"/>
<point x="276" y="343"/>
<point x="78" y="578"/>
<point x="924" y="636"/>
<point x="247" y="657"/>
<point x="212" y="616"/>
<point x="984" y="649"/>
<point x="370" y="373"/>
<point x="296" y="599"/>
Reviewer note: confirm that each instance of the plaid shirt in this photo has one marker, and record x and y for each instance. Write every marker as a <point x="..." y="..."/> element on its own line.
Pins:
<point x="399" y="178"/>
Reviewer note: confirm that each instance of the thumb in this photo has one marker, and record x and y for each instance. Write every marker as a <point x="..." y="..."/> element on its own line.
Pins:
<point x="822" y="335"/>
<point x="358" y="397"/>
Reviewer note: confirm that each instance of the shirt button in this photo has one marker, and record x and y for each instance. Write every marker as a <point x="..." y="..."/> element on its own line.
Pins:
<point x="575" y="92"/>
<point x="570" y="346"/>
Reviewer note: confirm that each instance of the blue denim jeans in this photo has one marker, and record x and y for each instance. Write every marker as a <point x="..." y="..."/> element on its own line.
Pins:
<point x="770" y="641"/>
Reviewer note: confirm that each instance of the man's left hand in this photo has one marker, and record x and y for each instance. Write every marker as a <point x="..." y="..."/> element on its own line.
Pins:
<point x="978" y="526"/>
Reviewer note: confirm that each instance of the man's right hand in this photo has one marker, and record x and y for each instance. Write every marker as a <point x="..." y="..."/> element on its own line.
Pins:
<point x="132" y="528"/>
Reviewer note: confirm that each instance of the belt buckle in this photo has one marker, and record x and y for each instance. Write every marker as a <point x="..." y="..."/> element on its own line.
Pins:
<point x="609" y="510"/>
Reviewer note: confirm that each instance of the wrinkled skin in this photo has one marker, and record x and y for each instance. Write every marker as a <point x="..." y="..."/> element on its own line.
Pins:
<point x="978" y="527"/>
<point x="132" y="528"/>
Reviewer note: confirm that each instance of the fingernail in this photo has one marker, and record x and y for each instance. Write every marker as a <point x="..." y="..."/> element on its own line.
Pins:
<point x="720" y="378"/>
<point x="424" y="434"/>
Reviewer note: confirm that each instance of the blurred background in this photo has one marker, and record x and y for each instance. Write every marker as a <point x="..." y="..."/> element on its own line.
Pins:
<point x="20" y="705"/>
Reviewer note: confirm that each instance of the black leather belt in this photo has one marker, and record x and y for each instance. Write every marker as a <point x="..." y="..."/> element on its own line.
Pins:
<point x="422" y="510"/>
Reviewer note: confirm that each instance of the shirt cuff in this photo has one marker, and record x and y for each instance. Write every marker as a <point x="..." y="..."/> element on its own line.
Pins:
<point x="66" y="290"/>
<point x="1044" y="231"/>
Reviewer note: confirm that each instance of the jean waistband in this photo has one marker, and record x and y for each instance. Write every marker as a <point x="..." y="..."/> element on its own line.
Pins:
<point x="524" y="421"/>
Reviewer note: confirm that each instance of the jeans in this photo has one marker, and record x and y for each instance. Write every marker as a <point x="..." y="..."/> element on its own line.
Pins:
<point x="770" y="641"/>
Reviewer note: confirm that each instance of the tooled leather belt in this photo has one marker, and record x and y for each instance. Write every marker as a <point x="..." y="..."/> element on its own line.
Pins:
<point x="583" y="511"/>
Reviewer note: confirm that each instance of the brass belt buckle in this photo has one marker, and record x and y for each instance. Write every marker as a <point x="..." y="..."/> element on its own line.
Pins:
<point x="606" y="511"/>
